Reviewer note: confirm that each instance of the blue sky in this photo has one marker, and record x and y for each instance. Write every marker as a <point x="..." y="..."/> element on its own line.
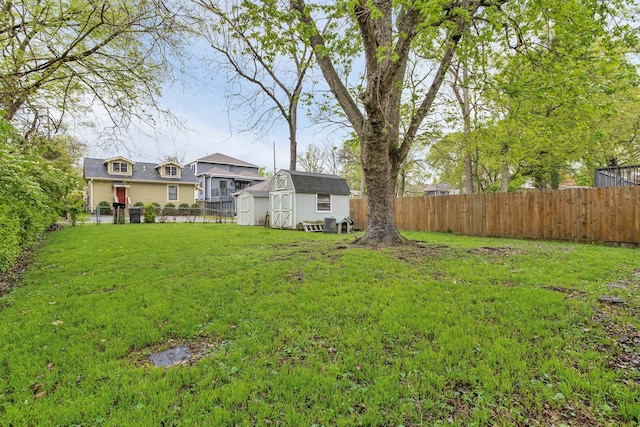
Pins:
<point x="198" y="101"/>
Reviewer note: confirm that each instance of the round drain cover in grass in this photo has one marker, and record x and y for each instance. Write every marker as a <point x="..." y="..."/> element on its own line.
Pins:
<point x="171" y="357"/>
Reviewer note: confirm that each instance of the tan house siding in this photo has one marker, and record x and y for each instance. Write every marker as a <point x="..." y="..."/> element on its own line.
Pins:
<point x="141" y="192"/>
<point x="100" y="191"/>
<point x="159" y="193"/>
<point x="137" y="182"/>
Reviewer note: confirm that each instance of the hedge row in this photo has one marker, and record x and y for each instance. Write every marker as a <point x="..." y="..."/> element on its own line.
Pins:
<point x="34" y="191"/>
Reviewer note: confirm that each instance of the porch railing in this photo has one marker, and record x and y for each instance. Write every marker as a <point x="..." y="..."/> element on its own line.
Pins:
<point x="618" y="176"/>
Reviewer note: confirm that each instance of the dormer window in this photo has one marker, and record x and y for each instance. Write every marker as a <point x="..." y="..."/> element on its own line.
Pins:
<point x="169" y="170"/>
<point x="120" y="167"/>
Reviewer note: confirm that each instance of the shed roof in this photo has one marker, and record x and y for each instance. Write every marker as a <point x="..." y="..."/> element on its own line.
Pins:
<point x="260" y="189"/>
<point x="318" y="183"/>
<point x="97" y="169"/>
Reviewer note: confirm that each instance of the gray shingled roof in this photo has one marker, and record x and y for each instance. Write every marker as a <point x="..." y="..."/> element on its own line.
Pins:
<point x="318" y="183"/>
<point x="96" y="169"/>
<point x="260" y="189"/>
<point x="242" y="175"/>
<point x="223" y="159"/>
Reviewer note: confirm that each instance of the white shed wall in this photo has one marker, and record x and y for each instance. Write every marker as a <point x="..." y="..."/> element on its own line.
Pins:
<point x="260" y="209"/>
<point x="306" y="208"/>
<point x="251" y="210"/>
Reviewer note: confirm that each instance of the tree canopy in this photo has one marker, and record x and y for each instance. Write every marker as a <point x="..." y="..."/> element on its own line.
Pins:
<point x="61" y="58"/>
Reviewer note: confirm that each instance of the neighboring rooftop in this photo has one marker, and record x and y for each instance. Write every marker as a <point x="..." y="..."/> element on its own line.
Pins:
<point x="246" y="175"/>
<point x="445" y="188"/>
<point x="224" y="160"/>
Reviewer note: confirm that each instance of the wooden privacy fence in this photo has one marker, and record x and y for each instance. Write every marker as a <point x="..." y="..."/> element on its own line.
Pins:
<point x="579" y="214"/>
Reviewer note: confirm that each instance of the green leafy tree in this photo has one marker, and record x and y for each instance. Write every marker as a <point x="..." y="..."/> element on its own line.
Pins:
<point x="61" y="58"/>
<point x="547" y="105"/>
<point x="391" y="32"/>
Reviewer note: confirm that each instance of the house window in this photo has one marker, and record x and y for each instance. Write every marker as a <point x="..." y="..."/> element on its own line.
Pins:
<point x="170" y="171"/>
<point x="172" y="192"/>
<point x="120" y="167"/>
<point x="323" y="202"/>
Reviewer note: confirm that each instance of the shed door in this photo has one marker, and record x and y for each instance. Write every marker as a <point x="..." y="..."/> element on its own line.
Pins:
<point x="244" y="213"/>
<point x="282" y="209"/>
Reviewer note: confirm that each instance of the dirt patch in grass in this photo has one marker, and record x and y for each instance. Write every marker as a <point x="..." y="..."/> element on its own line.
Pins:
<point x="198" y="349"/>
<point x="631" y="284"/>
<point x="624" y="337"/>
<point x="416" y="254"/>
<point x="312" y="253"/>
<point x="624" y="346"/>
<point x="567" y="414"/>
<point x="570" y="292"/>
<point x="10" y="278"/>
<point x="495" y="251"/>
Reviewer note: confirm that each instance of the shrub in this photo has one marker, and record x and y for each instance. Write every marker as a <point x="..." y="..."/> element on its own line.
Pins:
<point x="104" y="208"/>
<point x="34" y="190"/>
<point x="169" y="210"/>
<point x="9" y="238"/>
<point x="138" y="204"/>
<point x="183" y="209"/>
<point x="150" y="213"/>
<point x="195" y="209"/>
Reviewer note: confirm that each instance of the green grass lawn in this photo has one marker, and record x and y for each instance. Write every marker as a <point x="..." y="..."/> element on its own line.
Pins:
<point x="301" y="329"/>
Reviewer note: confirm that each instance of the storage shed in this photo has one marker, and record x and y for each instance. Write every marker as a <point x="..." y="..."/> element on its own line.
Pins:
<point x="252" y="204"/>
<point x="297" y="197"/>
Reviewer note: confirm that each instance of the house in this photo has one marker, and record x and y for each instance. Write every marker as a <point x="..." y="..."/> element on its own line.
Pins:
<point x="220" y="176"/>
<point x="121" y="180"/>
<point x="618" y="176"/>
<point x="253" y="204"/>
<point x="296" y="197"/>
<point x="436" y="189"/>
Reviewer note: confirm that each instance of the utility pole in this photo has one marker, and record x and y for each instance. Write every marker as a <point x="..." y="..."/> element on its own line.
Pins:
<point x="274" y="157"/>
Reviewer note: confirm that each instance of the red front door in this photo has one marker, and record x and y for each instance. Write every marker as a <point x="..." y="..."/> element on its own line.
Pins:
<point x="121" y="194"/>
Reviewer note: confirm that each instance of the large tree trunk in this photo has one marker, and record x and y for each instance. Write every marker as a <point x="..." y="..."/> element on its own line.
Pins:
<point x="380" y="176"/>
<point x="293" y="142"/>
<point x="504" y="177"/>
<point x="468" y="175"/>
<point x="466" y="112"/>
